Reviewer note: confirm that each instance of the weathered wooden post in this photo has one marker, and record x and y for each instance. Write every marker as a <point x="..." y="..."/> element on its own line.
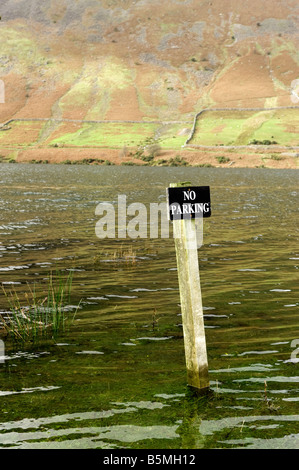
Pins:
<point x="186" y="204"/>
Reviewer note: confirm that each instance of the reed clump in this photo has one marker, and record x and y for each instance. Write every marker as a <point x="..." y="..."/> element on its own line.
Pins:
<point x="39" y="316"/>
<point x="122" y="254"/>
<point x="128" y="255"/>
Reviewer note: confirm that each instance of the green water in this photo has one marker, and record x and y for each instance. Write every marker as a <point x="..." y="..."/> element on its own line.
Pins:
<point x="117" y="378"/>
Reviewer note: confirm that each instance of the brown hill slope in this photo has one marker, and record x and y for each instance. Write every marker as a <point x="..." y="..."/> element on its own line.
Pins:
<point x="146" y="59"/>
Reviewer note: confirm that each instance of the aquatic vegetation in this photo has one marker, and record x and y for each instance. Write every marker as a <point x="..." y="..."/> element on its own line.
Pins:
<point x="41" y="316"/>
<point x="121" y="254"/>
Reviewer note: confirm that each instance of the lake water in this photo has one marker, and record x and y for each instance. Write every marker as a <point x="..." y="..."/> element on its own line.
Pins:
<point x="117" y="378"/>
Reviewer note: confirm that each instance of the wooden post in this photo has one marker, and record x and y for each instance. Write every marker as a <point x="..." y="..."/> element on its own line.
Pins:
<point x="191" y="302"/>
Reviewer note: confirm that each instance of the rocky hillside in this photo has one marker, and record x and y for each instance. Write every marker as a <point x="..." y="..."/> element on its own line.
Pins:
<point x="145" y="59"/>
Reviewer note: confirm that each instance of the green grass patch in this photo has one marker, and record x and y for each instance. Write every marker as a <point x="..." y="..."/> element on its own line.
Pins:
<point x="111" y="135"/>
<point x="171" y="136"/>
<point x="106" y="135"/>
<point x="219" y="128"/>
<point x="118" y="135"/>
<point x="283" y="127"/>
<point x="242" y="128"/>
<point x="213" y="128"/>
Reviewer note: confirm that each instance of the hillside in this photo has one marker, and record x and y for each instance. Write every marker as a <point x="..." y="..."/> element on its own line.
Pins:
<point x="146" y="60"/>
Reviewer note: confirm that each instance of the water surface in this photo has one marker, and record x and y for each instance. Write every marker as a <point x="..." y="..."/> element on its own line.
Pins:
<point x="117" y="379"/>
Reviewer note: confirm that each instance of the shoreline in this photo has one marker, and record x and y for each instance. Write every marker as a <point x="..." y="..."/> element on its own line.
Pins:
<point x="219" y="157"/>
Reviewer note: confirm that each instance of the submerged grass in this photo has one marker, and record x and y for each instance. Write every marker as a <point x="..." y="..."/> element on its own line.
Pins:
<point x="41" y="317"/>
<point x="120" y="255"/>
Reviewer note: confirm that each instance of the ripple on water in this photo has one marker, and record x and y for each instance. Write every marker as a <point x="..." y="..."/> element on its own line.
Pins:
<point x="279" y="379"/>
<point x="11" y="282"/>
<point x="89" y="352"/>
<point x="250" y="368"/>
<point x="280" y="290"/>
<point x="14" y="268"/>
<point x="36" y="432"/>
<point x="152" y="338"/>
<point x="27" y="390"/>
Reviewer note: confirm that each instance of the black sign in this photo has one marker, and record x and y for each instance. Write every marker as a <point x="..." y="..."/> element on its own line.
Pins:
<point x="189" y="202"/>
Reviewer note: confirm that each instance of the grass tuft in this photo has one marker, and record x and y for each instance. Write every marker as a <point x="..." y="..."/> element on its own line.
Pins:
<point x="42" y="316"/>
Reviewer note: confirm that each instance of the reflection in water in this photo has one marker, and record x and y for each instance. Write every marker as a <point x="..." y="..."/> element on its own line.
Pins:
<point x="92" y="389"/>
